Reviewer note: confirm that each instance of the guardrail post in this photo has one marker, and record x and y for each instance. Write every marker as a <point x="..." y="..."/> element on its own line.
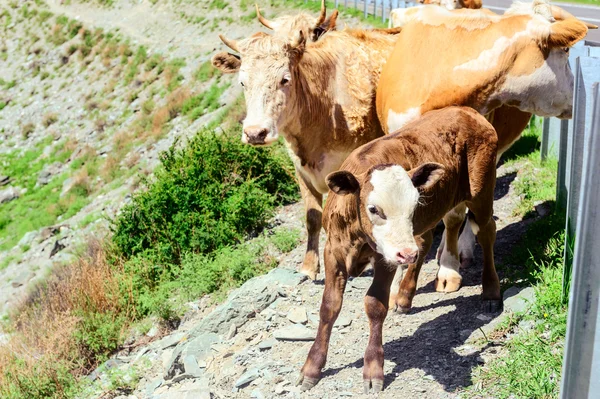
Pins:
<point x="581" y="365"/>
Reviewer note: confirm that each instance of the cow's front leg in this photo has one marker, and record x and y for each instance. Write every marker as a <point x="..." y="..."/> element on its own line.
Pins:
<point x="335" y="283"/>
<point x="376" y="305"/>
<point x="313" y="201"/>
<point x="403" y="292"/>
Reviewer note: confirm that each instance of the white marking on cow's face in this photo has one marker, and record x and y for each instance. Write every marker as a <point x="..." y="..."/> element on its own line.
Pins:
<point x="266" y="82"/>
<point x="390" y="207"/>
<point x="548" y="91"/>
<point x="396" y="121"/>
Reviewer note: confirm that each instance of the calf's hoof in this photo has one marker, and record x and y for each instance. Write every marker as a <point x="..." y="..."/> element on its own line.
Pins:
<point x="305" y="382"/>
<point x="377" y="385"/>
<point x="491" y="305"/>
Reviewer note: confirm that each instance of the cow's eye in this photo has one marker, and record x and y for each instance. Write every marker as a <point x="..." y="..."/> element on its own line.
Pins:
<point x="242" y="83"/>
<point x="285" y="80"/>
<point x="566" y="49"/>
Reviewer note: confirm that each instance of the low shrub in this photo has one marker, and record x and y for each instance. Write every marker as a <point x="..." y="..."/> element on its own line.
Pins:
<point x="209" y="194"/>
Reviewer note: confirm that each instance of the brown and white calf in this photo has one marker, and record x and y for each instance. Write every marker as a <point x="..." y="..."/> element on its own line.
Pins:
<point x="384" y="203"/>
<point x="318" y="96"/>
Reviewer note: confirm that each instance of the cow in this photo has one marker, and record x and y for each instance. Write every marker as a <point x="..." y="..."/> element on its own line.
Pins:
<point x="311" y="27"/>
<point x="384" y="203"/>
<point x="318" y="96"/>
<point x="516" y="60"/>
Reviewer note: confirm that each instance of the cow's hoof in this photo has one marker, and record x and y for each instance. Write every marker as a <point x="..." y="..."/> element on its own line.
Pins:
<point x="448" y="283"/>
<point x="305" y="382"/>
<point x="312" y="274"/>
<point x="491" y="305"/>
<point x="401" y="309"/>
<point x="376" y="384"/>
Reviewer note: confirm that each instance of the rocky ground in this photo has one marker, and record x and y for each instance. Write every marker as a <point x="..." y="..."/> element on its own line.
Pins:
<point x="254" y="344"/>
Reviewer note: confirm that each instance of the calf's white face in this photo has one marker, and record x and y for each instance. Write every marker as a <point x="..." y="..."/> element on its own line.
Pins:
<point x="387" y="197"/>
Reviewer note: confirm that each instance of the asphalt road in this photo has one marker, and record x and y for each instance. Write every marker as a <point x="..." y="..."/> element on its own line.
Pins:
<point x="584" y="12"/>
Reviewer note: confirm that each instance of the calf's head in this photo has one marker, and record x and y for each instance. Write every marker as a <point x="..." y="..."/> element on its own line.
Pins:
<point x="267" y="70"/>
<point x="386" y="198"/>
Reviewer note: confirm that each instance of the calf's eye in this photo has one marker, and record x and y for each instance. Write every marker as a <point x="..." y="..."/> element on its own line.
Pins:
<point x="372" y="209"/>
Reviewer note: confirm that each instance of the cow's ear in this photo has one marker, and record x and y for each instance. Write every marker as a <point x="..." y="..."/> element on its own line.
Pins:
<point x="567" y="32"/>
<point x="226" y="62"/>
<point x="426" y="175"/>
<point x="342" y="182"/>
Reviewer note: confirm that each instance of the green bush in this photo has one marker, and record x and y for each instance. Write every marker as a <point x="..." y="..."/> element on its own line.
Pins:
<point x="207" y="195"/>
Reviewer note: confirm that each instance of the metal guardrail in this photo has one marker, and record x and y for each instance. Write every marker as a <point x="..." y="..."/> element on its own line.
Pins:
<point x="576" y="144"/>
<point x="578" y="192"/>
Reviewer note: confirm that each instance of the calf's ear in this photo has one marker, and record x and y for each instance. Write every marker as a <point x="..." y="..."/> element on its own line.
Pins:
<point x="226" y="62"/>
<point x="342" y="182"/>
<point x="426" y="175"/>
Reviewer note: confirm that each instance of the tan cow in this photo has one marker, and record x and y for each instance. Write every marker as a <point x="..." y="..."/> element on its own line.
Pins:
<point x="311" y="27"/>
<point x="318" y="96"/>
<point x="518" y="60"/>
<point x="384" y="203"/>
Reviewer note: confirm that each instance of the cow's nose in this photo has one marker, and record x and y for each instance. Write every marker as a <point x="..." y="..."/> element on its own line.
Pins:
<point x="568" y="114"/>
<point x="407" y="256"/>
<point x="256" y="134"/>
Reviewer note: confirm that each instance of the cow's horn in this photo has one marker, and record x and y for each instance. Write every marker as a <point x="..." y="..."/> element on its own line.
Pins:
<point x="322" y="15"/>
<point x="232" y="44"/>
<point x="559" y="14"/>
<point x="262" y="19"/>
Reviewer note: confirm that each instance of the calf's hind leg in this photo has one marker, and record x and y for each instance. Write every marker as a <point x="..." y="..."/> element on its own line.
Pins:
<point x="313" y="201"/>
<point x="404" y="292"/>
<point x="376" y="305"/>
<point x="486" y="235"/>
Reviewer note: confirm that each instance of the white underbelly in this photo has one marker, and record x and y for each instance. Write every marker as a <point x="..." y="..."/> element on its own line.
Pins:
<point x="329" y="162"/>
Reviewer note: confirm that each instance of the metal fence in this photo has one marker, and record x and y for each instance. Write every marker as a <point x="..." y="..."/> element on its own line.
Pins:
<point x="576" y="144"/>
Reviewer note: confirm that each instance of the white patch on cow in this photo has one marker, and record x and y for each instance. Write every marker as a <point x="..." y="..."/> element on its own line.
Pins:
<point x="396" y="121"/>
<point x="474" y="226"/>
<point x="401" y="16"/>
<point x="329" y="162"/>
<point x="548" y="91"/>
<point x="393" y="193"/>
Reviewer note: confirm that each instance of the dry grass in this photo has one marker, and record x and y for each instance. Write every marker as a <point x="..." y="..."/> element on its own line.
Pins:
<point x="44" y="353"/>
<point x="49" y="119"/>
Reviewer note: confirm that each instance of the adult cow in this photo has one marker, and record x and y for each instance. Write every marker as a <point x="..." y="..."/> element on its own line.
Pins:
<point x="318" y="96"/>
<point x="516" y="60"/>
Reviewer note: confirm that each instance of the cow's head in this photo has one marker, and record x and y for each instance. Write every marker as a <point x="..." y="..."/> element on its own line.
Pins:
<point x="540" y="80"/>
<point x="386" y="198"/>
<point x="312" y="27"/>
<point x="267" y="72"/>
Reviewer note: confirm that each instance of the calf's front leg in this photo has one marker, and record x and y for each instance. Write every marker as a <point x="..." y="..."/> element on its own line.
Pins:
<point x="376" y="305"/>
<point x="313" y="201"/>
<point x="335" y="283"/>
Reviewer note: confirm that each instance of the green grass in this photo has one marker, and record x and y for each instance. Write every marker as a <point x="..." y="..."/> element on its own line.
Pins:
<point x="205" y="72"/>
<point x="532" y="367"/>
<point x="208" y="101"/>
<point x="315" y="6"/>
<point x="39" y="206"/>
<point x="536" y="179"/>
